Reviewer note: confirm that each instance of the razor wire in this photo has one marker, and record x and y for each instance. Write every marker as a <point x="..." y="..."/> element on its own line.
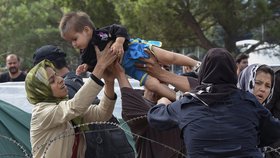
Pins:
<point x="70" y="132"/>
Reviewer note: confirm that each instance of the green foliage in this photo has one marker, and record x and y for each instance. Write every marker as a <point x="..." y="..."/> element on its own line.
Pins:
<point x="204" y="23"/>
<point x="102" y="12"/>
<point x="26" y="25"/>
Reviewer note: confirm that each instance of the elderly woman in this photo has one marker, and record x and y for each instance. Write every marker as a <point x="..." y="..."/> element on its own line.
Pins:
<point x="53" y="116"/>
<point x="218" y="120"/>
<point x="257" y="79"/>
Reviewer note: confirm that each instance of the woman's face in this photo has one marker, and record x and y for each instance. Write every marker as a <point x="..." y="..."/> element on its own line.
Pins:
<point x="56" y="82"/>
<point x="262" y="86"/>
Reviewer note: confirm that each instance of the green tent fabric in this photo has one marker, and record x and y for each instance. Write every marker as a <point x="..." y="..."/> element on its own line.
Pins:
<point x="128" y="133"/>
<point x="14" y="131"/>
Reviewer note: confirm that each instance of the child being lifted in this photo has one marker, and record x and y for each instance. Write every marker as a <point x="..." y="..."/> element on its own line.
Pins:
<point x="78" y="28"/>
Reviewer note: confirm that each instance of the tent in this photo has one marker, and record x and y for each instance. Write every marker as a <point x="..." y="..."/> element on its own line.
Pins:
<point x="14" y="131"/>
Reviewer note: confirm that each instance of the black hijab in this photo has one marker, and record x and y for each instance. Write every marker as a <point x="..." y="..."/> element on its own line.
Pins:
<point x="274" y="104"/>
<point x="217" y="76"/>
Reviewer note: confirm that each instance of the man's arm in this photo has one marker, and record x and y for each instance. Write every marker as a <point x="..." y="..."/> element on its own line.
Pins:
<point x="133" y="104"/>
<point x="154" y="69"/>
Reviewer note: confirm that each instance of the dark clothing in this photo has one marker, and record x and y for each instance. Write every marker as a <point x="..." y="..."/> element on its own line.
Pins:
<point x="110" y="143"/>
<point x="218" y="67"/>
<point x="274" y="107"/>
<point x="233" y="127"/>
<point x="52" y="53"/>
<point x="5" y="77"/>
<point x="190" y="74"/>
<point x="103" y="141"/>
<point x="218" y="120"/>
<point x="217" y="76"/>
<point x="133" y="106"/>
<point x="101" y="37"/>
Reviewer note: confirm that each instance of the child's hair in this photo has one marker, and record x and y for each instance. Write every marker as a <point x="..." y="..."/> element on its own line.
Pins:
<point x="75" y="21"/>
<point x="268" y="70"/>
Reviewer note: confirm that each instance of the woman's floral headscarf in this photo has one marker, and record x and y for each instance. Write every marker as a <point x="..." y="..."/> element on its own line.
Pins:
<point x="37" y="85"/>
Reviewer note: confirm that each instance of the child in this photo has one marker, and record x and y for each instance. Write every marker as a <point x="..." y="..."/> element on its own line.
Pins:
<point x="78" y="28"/>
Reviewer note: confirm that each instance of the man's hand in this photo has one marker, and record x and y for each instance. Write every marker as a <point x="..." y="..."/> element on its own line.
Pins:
<point x="152" y="67"/>
<point x="118" y="70"/>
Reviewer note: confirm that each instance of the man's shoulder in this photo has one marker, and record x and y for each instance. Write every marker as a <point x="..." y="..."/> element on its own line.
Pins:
<point x="72" y="75"/>
<point x="4" y="73"/>
<point x="22" y="75"/>
<point x="4" y="77"/>
<point x="73" y="81"/>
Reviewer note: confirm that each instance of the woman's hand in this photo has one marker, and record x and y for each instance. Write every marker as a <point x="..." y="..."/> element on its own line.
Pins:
<point x="104" y="59"/>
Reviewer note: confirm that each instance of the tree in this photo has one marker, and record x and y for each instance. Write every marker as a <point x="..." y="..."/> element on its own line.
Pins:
<point x="203" y="23"/>
<point x="102" y="12"/>
<point x="27" y="25"/>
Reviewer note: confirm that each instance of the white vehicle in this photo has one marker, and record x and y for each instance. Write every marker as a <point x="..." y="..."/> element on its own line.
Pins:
<point x="265" y="53"/>
<point x="15" y="94"/>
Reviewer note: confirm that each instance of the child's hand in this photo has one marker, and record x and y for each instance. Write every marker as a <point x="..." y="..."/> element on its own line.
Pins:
<point x="117" y="48"/>
<point x="81" y="68"/>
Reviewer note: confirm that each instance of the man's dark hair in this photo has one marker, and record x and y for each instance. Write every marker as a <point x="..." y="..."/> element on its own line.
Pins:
<point x="267" y="69"/>
<point x="240" y="57"/>
<point x="52" y="53"/>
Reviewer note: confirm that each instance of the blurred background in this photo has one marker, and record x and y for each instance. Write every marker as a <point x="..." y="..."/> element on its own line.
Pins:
<point x="184" y="26"/>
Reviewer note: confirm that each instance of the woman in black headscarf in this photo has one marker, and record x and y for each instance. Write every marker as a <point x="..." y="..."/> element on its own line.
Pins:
<point x="217" y="119"/>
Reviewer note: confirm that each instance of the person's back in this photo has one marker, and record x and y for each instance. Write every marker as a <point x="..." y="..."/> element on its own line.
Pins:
<point x="217" y="119"/>
<point x="226" y="129"/>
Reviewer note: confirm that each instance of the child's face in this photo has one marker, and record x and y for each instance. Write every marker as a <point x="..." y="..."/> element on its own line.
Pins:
<point x="79" y="40"/>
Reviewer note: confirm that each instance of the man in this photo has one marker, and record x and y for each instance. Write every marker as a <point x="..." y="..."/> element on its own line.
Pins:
<point x="241" y="62"/>
<point x="150" y="142"/>
<point x="13" y="74"/>
<point x="102" y="140"/>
